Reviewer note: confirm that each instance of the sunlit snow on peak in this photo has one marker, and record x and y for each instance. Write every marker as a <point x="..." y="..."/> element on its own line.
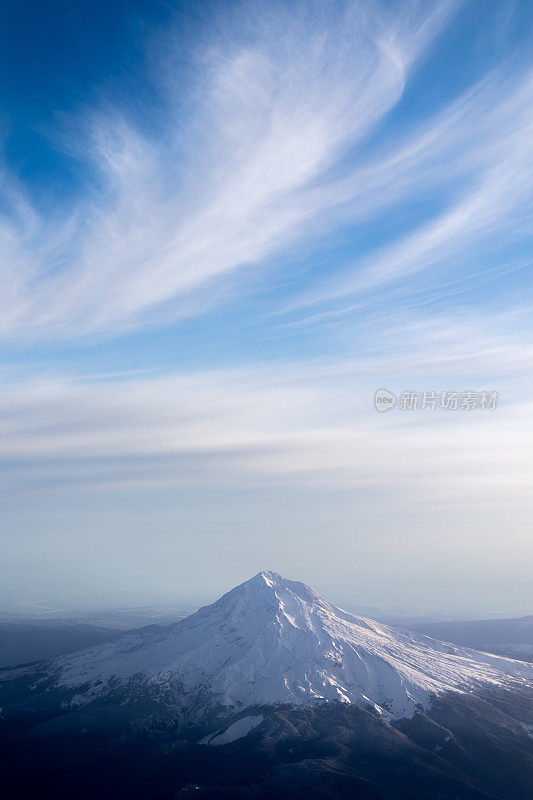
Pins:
<point x="273" y="641"/>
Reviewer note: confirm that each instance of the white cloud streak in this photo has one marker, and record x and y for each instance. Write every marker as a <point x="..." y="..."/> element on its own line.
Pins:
<point x="285" y="92"/>
<point x="305" y="424"/>
<point x="476" y="154"/>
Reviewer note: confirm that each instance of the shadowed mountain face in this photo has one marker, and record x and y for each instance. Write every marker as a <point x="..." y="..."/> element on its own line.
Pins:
<point x="271" y="692"/>
<point x="463" y="748"/>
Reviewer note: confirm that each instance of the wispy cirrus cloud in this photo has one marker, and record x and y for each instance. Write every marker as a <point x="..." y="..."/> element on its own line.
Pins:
<point x="473" y="159"/>
<point x="278" y="96"/>
<point x="266" y="142"/>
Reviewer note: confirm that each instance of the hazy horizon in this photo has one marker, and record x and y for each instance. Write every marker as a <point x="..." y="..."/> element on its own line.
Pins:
<point x="449" y="601"/>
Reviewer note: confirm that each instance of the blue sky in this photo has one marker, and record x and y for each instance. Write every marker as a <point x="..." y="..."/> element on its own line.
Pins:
<point x="223" y="226"/>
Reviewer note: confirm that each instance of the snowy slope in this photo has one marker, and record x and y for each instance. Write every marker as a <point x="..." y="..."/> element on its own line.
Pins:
<point x="271" y="641"/>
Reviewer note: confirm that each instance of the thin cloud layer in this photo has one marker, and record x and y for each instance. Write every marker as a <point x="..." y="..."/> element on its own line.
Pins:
<point x="307" y="424"/>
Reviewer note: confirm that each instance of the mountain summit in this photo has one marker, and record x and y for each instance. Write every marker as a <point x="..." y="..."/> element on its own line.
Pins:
<point x="271" y="641"/>
<point x="311" y="701"/>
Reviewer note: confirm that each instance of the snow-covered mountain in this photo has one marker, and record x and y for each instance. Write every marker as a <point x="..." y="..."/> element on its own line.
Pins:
<point x="273" y="641"/>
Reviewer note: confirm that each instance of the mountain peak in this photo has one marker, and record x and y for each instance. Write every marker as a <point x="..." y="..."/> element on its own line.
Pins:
<point x="271" y="640"/>
<point x="277" y="582"/>
<point x="267" y="576"/>
<point x="269" y="597"/>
